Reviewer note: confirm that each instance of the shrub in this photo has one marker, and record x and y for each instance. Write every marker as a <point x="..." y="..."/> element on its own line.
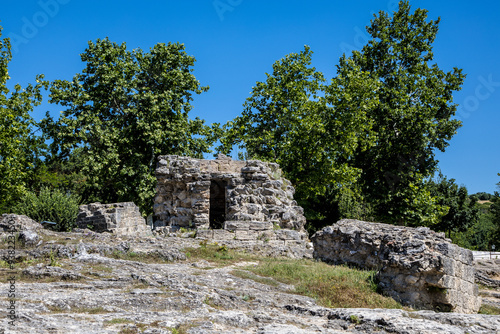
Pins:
<point x="50" y="205"/>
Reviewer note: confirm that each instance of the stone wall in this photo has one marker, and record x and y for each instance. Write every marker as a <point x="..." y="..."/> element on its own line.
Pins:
<point x="246" y="203"/>
<point x="119" y="218"/>
<point x="251" y="191"/>
<point x="416" y="266"/>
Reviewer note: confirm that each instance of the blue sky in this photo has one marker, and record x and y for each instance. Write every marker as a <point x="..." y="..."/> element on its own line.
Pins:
<point x="236" y="41"/>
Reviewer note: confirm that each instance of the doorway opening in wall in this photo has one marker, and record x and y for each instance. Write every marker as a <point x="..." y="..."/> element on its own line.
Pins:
<point x="217" y="214"/>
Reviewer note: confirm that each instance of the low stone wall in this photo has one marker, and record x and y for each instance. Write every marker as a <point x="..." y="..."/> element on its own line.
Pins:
<point x="17" y="223"/>
<point x="119" y="218"/>
<point x="416" y="266"/>
<point x="264" y="238"/>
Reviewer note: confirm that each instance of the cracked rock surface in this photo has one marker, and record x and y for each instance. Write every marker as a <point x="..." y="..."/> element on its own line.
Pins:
<point x="92" y="292"/>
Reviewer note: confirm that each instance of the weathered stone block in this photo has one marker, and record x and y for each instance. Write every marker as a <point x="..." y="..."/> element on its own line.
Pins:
<point x="415" y="265"/>
<point x="260" y="226"/>
<point x="205" y="234"/>
<point x="247" y="197"/>
<point x="223" y="235"/>
<point x="236" y="225"/>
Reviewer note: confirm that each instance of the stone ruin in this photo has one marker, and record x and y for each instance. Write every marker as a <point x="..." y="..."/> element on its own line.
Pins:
<point x="119" y="218"/>
<point x="416" y="266"/>
<point x="224" y="199"/>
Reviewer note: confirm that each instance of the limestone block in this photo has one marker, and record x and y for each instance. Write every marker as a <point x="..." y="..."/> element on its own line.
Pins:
<point x="236" y="225"/>
<point x="119" y="218"/>
<point x="223" y="235"/>
<point x="288" y="235"/>
<point x="410" y="262"/>
<point x="260" y="226"/>
<point x="276" y="243"/>
<point x="205" y="234"/>
<point x="294" y="243"/>
<point x="267" y="235"/>
<point x="250" y="169"/>
<point x="245" y="235"/>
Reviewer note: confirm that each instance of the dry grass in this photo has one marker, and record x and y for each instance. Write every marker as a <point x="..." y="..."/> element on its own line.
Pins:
<point x="331" y="286"/>
<point x="217" y="254"/>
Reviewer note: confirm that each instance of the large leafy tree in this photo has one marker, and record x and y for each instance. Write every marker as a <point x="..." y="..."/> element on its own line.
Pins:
<point x="412" y="120"/>
<point x="122" y="111"/>
<point x="311" y="129"/>
<point x="20" y="147"/>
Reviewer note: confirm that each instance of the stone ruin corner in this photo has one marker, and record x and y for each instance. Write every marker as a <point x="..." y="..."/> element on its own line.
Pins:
<point x="226" y="199"/>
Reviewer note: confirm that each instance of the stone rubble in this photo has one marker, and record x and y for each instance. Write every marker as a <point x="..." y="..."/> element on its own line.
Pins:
<point x="416" y="266"/>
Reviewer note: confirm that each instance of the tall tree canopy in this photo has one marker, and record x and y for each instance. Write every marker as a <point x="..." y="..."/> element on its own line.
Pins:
<point x="367" y="137"/>
<point x="122" y="111"/>
<point x="309" y="128"/>
<point x="413" y="118"/>
<point x="19" y="145"/>
<point x="462" y="211"/>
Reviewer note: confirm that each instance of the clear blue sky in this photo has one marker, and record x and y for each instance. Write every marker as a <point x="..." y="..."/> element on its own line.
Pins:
<point x="236" y="41"/>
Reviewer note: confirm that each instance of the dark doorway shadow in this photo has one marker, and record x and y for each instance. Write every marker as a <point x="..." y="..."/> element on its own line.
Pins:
<point x="217" y="214"/>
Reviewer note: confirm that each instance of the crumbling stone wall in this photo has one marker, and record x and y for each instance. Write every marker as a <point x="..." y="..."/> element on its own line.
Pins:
<point x="228" y="200"/>
<point x="119" y="218"/>
<point x="252" y="191"/>
<point x="416" y="266"/>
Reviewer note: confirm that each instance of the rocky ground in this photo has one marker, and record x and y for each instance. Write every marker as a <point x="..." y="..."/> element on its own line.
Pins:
<point x="87" y="289"/>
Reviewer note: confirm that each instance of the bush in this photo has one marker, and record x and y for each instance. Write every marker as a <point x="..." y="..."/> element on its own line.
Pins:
<point x="50" y="205"/>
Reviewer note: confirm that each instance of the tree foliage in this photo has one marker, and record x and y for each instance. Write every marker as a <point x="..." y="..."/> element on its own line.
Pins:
<point x="309" y="128"/>
<point x="20" y="147"/>
<point x="365" y="141"/>
<point x="495" y="209"/>
<point x="462" y="212"/>
<point x="123" y="110"/>
<point x="413" y="118"/>
<point x="483" y="196"/>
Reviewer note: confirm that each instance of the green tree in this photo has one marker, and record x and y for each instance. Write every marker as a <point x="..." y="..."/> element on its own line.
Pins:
<point x="461" y="211"/>
<point x="123" y="110"/>
<point x="64" y="174"/>
<point x="413" y="118"/>
<point x="483" y="196"/>
<point x="495" y="210"/>
<point x="20" y="147"/>
<point x="311" y="129"/>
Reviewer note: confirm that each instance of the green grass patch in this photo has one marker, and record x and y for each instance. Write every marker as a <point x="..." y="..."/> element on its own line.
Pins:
<point x="488" y="309"/>
<point x="216" y="253"/>
<point x="331" y="286"/>
<point x="181" y="329"/>
<point x="117" y="321"/>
